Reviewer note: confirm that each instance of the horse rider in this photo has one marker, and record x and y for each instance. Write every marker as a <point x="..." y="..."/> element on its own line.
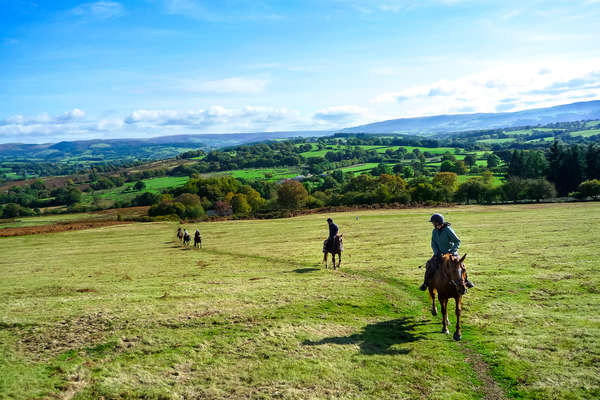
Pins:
<point x="443" y="241"/>
<point x="197" y="238"/>
<point x="333" y="230"/>
<point x="186" y="236"/>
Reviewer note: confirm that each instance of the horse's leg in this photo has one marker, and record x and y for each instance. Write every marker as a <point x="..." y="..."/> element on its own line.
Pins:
<point x="444" y="304"/>
<point x="325" y="259"/>
<point x="339" y="259"/>
<point x="433" y="307"/>
<point x="457" y="332"/>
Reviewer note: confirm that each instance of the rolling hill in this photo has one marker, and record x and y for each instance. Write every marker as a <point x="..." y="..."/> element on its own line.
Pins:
<point x="467" y="122"/>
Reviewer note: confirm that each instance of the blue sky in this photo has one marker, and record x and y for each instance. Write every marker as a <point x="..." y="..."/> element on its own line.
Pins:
<point x="105" y="69"/>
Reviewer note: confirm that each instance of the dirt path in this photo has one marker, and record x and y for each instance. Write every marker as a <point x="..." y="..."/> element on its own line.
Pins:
<point x="490" y="389"/>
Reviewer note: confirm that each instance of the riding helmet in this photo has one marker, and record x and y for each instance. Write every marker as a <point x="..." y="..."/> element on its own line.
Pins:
<point x="437" y="218"/>
<point x="329" y="220"/>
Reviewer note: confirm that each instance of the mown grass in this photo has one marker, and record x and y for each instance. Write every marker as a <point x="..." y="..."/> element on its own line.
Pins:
<point x="125" y="312"/>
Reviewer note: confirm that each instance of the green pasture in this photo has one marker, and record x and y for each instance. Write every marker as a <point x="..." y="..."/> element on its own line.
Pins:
<point x="497" y="180"/>
<point x="585" y="133"/>
<point x="126" y="312"/>
<point x="262" y="173"/>
<point x="359" y="167"/>
<point x="126" y="192"/>
<point x="492" y="141"/>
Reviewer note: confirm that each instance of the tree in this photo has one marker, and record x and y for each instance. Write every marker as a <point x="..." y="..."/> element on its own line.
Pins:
<point x="67" y="195"/>
<point x="460" y="168"/>
<point x="240" y="205"/>
<point x="514" y="189"/>
<point x="472" y="189"/>
<point x="408" y="172"/>
<point x="292" y="195"/>
<point x="540" y="189"/>
<point x="380" y="169"/>
<point x="139" y="185"/>
<point x="469" y="160"/>
<point x="590" y="188"/>
<point x="11" y="210"/>
<point x="447" y="166"/>
<point x="493" y="161"/>
<point x="447" y="183"/>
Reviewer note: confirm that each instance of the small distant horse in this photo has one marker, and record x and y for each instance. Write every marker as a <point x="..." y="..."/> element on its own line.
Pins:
<point x="197" y="240"/>
<point x="449" y="282"/>
<point x="186" y="239"/>
<point x="335" y="247"/>
<point x="180" y="234"/>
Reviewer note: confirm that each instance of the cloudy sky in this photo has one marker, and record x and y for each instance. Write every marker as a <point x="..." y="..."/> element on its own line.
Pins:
<point x="105" y="69"/>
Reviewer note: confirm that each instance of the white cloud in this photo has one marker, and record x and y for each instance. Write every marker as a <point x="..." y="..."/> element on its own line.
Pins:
<point x="99" y="10"/>
<point x="530" y="85"/>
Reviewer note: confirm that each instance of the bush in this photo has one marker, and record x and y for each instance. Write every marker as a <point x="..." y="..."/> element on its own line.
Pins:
<point x="589" y="188"/>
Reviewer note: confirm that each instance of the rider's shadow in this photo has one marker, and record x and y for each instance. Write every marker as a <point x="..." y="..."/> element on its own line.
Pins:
<point x="378" y="338"/>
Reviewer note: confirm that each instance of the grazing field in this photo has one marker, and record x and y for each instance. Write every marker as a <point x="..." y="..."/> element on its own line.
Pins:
<point x="126" y="312"/>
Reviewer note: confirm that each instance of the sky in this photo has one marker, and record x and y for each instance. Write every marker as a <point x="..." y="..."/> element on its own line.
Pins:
<point x="74" y="70"/>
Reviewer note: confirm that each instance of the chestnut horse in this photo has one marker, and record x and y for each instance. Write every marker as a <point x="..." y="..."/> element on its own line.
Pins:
<point x="449" y="282"/>
<point x="180" y="234"/>
<point x="335" y="248"/>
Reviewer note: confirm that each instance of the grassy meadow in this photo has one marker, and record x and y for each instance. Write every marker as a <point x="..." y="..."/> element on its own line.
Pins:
<point x="125" y="312"/>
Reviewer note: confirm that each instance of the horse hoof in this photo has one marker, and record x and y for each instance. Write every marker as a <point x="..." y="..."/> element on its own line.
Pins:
<point x="457" y="337"/>
<point x="433" y="312"/>
<point x="445" y="331"/>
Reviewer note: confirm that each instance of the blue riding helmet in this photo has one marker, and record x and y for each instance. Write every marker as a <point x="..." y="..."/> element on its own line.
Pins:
<point x="437" y="218"/>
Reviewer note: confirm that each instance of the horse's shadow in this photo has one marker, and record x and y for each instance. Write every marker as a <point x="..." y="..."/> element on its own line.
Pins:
<point x="305" y="270"/>
<point x="378" y="338"/>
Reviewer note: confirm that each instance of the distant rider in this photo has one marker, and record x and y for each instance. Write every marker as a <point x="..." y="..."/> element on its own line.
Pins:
<point x="443" y="241"/>
<point x="333" y="230"/>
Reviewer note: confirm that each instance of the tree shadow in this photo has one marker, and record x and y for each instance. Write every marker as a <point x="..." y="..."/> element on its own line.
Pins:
<point x="378" y="338"/>
<point x="305" y="270"/>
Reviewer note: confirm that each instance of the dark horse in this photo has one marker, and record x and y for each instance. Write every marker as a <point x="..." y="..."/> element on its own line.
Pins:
<point x="335" y="247"/>
<point x="186" y="239"/>
<point x="180" y="234"/>
<point x="449" y="282"/>
<point x="197" y="240"/>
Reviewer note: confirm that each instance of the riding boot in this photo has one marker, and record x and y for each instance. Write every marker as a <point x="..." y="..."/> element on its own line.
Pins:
<point x="468" y="283"/>
<point x="423" y="287"/>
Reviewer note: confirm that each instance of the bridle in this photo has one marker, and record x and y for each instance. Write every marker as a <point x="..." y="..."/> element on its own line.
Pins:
<point x="461" y="270"/>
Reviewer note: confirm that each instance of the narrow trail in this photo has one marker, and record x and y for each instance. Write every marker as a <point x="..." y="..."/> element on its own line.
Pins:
<point x="489" y="387"/>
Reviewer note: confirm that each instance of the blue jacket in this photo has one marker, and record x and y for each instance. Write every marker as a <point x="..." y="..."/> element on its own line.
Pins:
<point x="444" y="241"/>
<point x="333" y="230"/>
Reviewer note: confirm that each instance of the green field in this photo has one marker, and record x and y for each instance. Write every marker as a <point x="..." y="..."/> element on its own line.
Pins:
<point x="126" y="312"/>
<point x="126" y="192"/>
<point x="262" y="173"/>
<point x="586" y="133"/>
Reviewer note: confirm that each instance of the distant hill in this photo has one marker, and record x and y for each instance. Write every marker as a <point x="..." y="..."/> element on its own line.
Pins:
<point x="469" y="122"/>
<point x="138" y="149"/>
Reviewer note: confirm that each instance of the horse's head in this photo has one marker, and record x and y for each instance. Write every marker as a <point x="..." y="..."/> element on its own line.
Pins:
<point x="456" y="271"/>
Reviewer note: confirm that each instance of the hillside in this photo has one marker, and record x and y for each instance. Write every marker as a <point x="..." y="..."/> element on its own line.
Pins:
<point x="155" y="148"/>
<point x="252" y="315"/>
<point x="468" y="122"/>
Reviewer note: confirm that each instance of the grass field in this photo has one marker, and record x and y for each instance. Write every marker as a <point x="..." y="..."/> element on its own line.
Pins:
<point x="262" y="173"/>
<point x="125" y="312"/>
<point x="126" y="192"/>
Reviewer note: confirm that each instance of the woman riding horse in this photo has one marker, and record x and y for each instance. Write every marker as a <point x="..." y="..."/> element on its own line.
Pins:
<point x="443" y="241"/>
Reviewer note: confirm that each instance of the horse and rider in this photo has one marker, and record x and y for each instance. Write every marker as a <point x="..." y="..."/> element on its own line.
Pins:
<point x="197" y="239"/>
<point x="333" y="244"/>
<point x="445" y="272"/>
